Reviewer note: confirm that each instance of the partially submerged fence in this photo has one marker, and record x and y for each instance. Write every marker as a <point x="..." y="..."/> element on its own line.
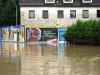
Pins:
<point x="12" y="34"/>
<point x="31" y="34"/>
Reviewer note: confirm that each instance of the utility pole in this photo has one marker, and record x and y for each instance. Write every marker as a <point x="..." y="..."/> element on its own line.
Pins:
<point x="16" y="18"/>
<point x="0" y="9"/>
<point x="16" y="12"/>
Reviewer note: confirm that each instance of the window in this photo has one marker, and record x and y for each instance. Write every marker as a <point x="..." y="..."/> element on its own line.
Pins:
<point x="31" y="14"/>
<point x="68" y="1"/>
<point x="72" y="13"/>
<point x="60" y="14"/>
<point x="98" y="13"/>
<point x="87" y="1"/>
<point x="45" y="14"/>
<point x="49" y="1"/>
<point x="85" y="14"/>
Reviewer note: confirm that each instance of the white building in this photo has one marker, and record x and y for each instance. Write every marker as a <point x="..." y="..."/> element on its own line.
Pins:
<point x="57" y="12"/>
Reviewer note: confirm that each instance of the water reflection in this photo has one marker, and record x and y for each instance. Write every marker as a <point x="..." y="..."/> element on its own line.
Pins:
<point x="9" y="59"/>
<point x="47" y="59"/>
<point x="83" y="60"/>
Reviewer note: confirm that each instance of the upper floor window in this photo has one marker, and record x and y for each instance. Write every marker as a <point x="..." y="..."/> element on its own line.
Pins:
<point x="60" y="14"/>
<point x="85" y="14"/>
<point x="87" y="1"/>
<point x="45" y="14"/>
<point x="49" y="1"/>
<point x="31" y="14"/>
<point x="68" y="1"/>
<point x="98" y="13"/>
<point x="72" y="13"/>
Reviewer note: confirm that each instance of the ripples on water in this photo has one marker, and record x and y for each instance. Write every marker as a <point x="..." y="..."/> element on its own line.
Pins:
<point x="46" y="59"/>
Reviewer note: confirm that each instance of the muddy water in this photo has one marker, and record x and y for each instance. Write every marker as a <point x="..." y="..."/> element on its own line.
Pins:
<point x="48" y="59"/>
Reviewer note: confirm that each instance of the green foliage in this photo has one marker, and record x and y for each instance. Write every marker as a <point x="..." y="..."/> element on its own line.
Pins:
<point x="8" y="12"/>
<point x="87" y="32"/>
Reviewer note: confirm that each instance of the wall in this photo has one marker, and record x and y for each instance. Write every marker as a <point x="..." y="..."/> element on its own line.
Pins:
<point x="53" y="20"/>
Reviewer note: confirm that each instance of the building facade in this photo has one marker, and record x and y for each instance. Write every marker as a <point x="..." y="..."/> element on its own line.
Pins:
<point x="57" y="12"/>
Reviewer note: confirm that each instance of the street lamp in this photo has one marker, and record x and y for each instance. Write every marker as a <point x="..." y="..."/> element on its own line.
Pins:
<point x="16" y="12"/>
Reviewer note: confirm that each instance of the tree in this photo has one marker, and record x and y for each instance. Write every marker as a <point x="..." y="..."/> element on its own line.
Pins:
<point x="8" y="12"/>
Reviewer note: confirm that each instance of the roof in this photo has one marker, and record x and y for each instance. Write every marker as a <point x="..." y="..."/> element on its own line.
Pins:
<point x="76" y="3"/>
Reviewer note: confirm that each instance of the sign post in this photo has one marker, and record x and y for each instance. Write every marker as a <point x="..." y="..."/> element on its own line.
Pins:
<point x="61" y="32"/>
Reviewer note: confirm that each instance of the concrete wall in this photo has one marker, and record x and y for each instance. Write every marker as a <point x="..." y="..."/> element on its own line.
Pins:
<point x="53" y="20"/>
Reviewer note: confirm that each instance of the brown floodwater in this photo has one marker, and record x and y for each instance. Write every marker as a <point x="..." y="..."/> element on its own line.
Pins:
<point x="49" y="59"/>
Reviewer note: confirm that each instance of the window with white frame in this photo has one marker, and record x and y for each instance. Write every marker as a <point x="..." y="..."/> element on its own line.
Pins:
<point x="68" y="1"/>
<point x="49" y="1"/>
<point x="87" y="1"/>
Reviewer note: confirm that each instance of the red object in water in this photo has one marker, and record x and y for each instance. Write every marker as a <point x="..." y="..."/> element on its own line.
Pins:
<point x="52" y="40"/>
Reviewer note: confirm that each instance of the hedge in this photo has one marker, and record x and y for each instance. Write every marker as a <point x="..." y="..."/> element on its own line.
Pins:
<point x="84" y="32"/>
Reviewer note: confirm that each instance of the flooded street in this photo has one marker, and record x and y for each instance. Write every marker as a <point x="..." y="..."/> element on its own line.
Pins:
<point x="47" y="59"/>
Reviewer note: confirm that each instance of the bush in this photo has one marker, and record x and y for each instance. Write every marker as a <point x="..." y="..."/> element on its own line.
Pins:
<point x="84" y="32"/>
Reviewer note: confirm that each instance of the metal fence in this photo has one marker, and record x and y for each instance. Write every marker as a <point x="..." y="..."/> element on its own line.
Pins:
<point x="12" y="34"/>
<point x="30" y="33"/>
